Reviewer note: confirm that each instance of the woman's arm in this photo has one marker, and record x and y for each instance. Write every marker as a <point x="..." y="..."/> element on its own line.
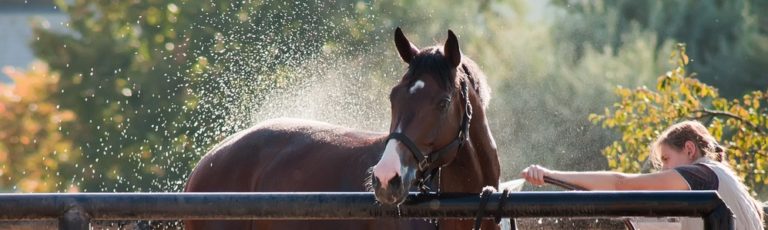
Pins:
<point x="664" y="180"/>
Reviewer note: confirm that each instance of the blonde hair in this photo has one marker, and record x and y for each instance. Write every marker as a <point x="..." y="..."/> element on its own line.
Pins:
<point x="678" y="134"/>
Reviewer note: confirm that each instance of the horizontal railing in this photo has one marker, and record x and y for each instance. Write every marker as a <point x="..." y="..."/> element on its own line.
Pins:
<point x="75" y="210"/>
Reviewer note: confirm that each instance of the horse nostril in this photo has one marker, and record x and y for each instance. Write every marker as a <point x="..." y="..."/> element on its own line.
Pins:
<point x="395" y="183"/>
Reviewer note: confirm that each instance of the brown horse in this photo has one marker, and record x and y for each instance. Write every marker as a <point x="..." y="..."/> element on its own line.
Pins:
<point x="438" y="108"/>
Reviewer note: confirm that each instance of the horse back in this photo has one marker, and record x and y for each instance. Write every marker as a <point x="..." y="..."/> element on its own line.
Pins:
<point x="288" y="155"/>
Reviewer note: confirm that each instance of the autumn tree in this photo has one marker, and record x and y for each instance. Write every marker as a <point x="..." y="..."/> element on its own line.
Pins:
<point x="33" y="151"/>
<point x="641" y="114"/>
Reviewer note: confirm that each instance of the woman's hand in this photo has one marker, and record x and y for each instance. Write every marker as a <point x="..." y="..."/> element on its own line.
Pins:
<point x="534" y="174"/>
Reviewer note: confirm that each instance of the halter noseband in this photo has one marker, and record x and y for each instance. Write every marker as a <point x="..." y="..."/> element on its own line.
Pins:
<point x="427" y="164"/>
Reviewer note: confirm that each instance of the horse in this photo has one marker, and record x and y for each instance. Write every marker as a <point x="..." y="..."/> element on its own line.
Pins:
<point x="438" y="129"/>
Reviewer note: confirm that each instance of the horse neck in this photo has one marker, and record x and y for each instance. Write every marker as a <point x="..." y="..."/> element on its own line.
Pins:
<point x="476" y="164"/>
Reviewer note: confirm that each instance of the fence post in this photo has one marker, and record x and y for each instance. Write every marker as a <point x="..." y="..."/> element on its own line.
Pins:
<point x="720" y="218"/>
<point x="74" y="219"/>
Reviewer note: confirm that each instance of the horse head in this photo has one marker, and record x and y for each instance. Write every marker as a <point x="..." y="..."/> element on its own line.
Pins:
<point x="431" y="114"/>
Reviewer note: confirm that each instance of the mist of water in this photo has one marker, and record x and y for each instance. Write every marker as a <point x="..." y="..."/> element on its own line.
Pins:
<point x="289" y="72"/>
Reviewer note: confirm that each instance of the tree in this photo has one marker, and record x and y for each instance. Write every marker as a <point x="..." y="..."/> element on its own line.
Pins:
<point x="727" y="38"/>
<point x="123" y="81"/>
<point x="32" y="150"/>
<point x="740" y="125"/>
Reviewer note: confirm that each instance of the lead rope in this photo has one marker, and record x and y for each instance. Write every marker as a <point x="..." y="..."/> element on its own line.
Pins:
<point x="484" y="197"/>
<point x="502" y="201"/>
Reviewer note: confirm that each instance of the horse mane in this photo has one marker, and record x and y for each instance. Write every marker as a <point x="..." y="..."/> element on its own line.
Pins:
<point x="431" y="60"/>
<point x="478" y="80"/>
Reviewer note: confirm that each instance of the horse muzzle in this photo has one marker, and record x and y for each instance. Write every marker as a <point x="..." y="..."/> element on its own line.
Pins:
<point x="393" y="194"/>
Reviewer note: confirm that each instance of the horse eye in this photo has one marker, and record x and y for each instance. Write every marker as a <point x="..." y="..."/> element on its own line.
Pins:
<point x="445" y="103"/>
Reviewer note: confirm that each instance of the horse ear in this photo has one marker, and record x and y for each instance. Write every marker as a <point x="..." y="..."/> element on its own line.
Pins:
<point x="406" y="49"/>
<point x="451" y="49"/>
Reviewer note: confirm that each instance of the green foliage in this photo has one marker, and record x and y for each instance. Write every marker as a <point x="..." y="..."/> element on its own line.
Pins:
<point x="741" y="125"/>
<point x="121" y="68"/>
<point x="726" y="38"/>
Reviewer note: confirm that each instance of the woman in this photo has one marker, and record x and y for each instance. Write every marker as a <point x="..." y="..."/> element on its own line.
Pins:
<point x="689" y="158"/>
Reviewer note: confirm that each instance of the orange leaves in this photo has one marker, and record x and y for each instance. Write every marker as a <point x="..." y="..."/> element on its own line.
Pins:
<point x="31" y="148"/>
<point x="27" y="86"/>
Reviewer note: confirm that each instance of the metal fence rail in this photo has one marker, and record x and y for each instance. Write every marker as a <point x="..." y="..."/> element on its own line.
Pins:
<point x="74" y="211"/>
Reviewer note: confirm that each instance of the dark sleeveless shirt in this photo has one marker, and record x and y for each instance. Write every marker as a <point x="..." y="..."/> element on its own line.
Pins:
<point x="699" y="176"/>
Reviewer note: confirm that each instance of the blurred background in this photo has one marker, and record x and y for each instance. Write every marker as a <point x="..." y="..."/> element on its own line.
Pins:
<point x="126" y="96"/>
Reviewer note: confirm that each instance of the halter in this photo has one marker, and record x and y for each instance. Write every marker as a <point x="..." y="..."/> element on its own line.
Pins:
<point x="430" y="164"/>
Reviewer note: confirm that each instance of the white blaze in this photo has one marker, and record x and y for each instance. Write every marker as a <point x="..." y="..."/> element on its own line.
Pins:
<point x="389" y="164"/>
<point x="416" y="86"/>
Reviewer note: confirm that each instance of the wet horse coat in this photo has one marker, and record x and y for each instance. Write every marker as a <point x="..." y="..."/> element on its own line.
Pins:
<point x="290" y="155"/>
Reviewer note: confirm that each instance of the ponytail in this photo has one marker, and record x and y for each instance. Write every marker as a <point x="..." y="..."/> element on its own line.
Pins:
<point x="720" y="153"/>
